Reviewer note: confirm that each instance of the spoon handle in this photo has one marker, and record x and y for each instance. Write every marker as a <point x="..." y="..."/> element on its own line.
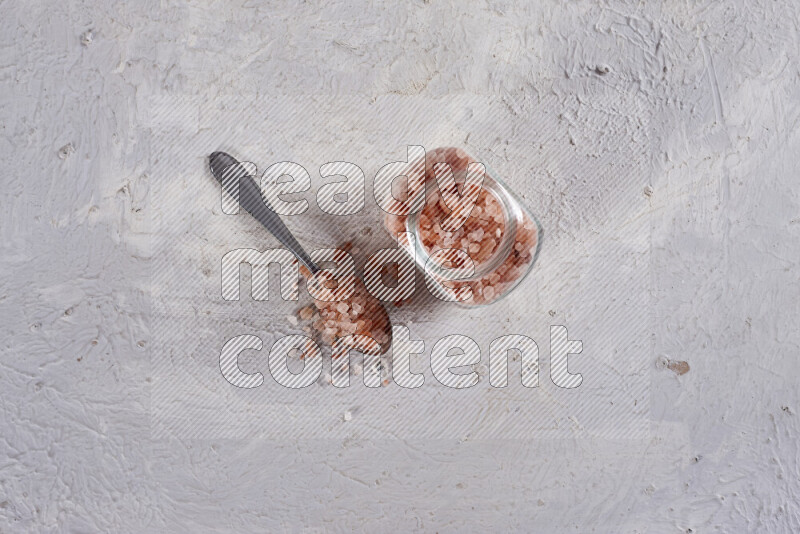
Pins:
<point x="237" y="182"/>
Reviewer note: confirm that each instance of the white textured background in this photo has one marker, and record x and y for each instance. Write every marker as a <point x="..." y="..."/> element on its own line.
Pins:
<point x="720" y="81"/>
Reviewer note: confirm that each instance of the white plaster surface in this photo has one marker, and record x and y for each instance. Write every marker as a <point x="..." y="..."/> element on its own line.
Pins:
<point x="718" y="85"/>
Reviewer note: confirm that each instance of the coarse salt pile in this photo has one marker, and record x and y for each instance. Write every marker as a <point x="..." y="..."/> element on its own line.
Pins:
<point x="501" y="279"/>
<point x="361" y="314"/>
<point x="482" y="234"/>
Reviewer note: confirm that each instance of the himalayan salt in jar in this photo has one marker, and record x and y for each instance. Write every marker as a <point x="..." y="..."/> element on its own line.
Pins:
<point x="499" y="235"/>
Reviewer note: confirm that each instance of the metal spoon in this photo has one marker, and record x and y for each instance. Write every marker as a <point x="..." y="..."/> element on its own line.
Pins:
<point x="238" y="183"/>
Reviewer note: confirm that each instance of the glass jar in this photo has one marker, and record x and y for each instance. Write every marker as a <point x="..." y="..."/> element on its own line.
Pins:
<point x="500" y="236"/>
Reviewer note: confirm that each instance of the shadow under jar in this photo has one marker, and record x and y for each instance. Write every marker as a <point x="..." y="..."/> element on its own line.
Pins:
<point x="500" y="236"/>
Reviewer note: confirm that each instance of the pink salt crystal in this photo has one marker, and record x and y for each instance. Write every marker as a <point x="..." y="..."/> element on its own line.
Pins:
<point x="342" y="307"/>
<point x="487" y="246"/>
<point x="394" y="224"/>
<point x="488" y="292"/>
<point x="306" y="313"/>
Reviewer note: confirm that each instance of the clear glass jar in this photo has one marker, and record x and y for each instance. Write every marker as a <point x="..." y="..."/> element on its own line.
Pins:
<point x="500" y="236"/>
